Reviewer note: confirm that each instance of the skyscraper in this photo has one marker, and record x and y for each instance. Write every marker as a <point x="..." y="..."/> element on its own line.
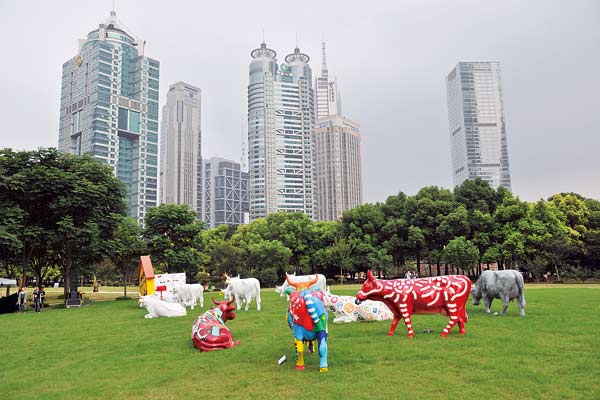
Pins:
<point x="180" y="145"/>
<point x="477" y="124"/>
<point x="225" y="193"/>
<point x="338" y="160"/>
<point x="326" y="91"/>
<point x="109" y="108"/>
<point x="281" y="118"/>
<point x="337" y="152"/>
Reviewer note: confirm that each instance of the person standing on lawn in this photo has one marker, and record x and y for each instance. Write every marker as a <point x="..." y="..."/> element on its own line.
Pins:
<point x="22" y="300"/>
<point x="37" y="299"/>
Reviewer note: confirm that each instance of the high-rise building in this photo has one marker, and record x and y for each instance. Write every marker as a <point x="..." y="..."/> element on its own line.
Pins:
<point x="339" y="177"/>
<point x="281" y="118"/>
<point x="109" y="108"/>
<point x="477" y="124"/>
<point x="225" y="193"/>
<point x="326" y="92"/>
<point x="180" y="145"/>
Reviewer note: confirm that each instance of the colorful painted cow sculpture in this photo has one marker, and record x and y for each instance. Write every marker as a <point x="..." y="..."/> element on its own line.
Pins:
<point x="307" y="317"/>
<point x="209" y="331"/>
<point x="442" y="294"/>
<point x="345" y="309"/>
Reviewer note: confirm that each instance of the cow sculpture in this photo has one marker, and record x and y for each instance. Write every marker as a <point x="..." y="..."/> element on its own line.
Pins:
<point x="442" y="294"/>
<point x="319" y="284"/>
<point x="189" y="294"/>
<point x="505" y="285"/>
<point x="345" y="309"/>
<point x="159" y="308"/>
<point x="209" y="331"/>
<point x="307" y="317"/>
<point x="243" y="290"/>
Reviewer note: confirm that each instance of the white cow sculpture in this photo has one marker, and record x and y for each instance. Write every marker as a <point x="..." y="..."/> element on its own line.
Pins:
<point x="321" y="282"/>
<point x="189" y="294"/>
<point x="159" y="308"/>
<point x="243" y="290"/>
<point x="345" y="309"/>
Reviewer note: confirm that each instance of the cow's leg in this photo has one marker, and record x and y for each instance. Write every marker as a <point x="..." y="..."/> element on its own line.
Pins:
<point x="258" y="301"/>
<point x="322" y="343"/>
<point x="238" y="301"/>
<point x="248" y="299"/>
<point x="299" y="347"/>
<point x="202" y="300"/>
<point x="394" y="324"/>
<point x="454" y="317"/>
<point x="487" y="301"/>
<point x="505" y="301"/>
<point x="462" y="319"/>
<point x="521" y="301"/>
<point x="193" y="302"/>
<point x="407" y="320"/>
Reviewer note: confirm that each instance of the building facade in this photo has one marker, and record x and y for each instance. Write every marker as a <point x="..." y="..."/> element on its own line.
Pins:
<point x="109" y="108"/>
<point x="225" y="194"/>
<point x="339" y="175"/>
<point x="477" y="124"/>
<point x="281" y="120"/>
<point x="180" y="147"/>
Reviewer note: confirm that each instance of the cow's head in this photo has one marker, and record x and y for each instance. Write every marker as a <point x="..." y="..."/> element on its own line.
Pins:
<point x="476" y="294"/>
<point x="226" y="308"/>
<point x="371" y="287"/>
<point x="302" y="285"/>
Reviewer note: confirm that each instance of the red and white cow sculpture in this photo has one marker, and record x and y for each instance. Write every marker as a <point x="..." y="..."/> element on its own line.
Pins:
<point x="442" y="294"/>
<point x="209" y="331"/>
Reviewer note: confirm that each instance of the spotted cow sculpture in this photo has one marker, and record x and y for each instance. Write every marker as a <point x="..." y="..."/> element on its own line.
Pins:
<point x="446" y="295"/>
<point x="209" y="331"/>
<point x="307" y="317"/>
<point x="345" y="309"/>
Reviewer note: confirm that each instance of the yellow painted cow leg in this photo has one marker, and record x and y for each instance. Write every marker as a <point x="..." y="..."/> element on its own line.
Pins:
<point x="299" y="346"/>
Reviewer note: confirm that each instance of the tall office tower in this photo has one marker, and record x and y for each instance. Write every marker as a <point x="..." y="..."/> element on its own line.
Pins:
<point x="109" y="108"/>
<point x="477" y="124"/>
<point x="225" y="193"/>
<point x="281" y="120"/>
<point x="326" y="92"/>
<point x="339" y="177"/>
<point x="180" y="145"/>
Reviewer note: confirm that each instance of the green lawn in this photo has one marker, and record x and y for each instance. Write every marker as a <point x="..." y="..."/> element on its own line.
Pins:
<point x="108" y="350"/>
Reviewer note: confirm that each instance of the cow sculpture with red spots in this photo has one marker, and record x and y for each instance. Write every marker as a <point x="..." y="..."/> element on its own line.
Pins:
<point x="446" y="295"/>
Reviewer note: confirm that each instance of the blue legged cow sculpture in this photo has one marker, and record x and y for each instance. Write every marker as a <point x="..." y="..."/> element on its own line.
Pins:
<point x="307" y="317"/>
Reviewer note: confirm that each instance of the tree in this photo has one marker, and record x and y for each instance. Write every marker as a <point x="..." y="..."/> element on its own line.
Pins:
<point x="126" y="247"/>
<point x="462" y="253"/>
<point x="172" y="233"/>
<point x="70" y="205"/>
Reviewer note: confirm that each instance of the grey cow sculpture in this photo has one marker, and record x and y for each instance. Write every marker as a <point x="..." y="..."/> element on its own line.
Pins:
<point x="505" y="285"/>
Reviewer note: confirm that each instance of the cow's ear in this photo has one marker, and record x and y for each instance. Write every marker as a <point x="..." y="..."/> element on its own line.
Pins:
<point x="370" y="275"/>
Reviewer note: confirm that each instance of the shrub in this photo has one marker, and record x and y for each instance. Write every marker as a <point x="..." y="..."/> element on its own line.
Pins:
<point x="123" y="298"/>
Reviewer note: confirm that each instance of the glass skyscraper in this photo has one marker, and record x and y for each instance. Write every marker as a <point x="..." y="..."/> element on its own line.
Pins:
<point x="180" y="141"/>
<point x="109" y="108"/>
<point x="477" y="124"/>
<point x="281" y="120"/>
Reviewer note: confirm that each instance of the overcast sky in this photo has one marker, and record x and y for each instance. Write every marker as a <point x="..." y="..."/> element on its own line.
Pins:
<point x="390" y="57"/>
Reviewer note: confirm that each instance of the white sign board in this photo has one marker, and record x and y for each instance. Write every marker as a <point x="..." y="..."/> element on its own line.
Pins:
<point x="169" y="280"/>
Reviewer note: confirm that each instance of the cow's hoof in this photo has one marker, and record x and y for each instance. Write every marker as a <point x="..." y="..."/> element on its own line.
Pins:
<point x="390" y="333"/>
<point x="299" y="367"/>
<point x="324" y="370"/>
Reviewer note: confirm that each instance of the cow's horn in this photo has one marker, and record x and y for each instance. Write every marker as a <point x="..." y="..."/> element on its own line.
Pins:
<point x="216" y="302"/>
<point x="232" y="300"/>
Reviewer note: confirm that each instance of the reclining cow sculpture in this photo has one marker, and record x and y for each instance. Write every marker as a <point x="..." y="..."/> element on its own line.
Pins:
<point x="442" y="294"/>
<point x="209" y="331"/>
<point x="189" y="294"/>
<point x="243" y="290"/>
<point x="506" y="285"/>
<point x="345" y="309"/>
<point x="320" y="284"/>
<point x="307" y="317"/>
<point x="159" y="308"/>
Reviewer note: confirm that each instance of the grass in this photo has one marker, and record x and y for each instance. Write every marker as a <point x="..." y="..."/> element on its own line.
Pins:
<point x="107" y="350"/>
